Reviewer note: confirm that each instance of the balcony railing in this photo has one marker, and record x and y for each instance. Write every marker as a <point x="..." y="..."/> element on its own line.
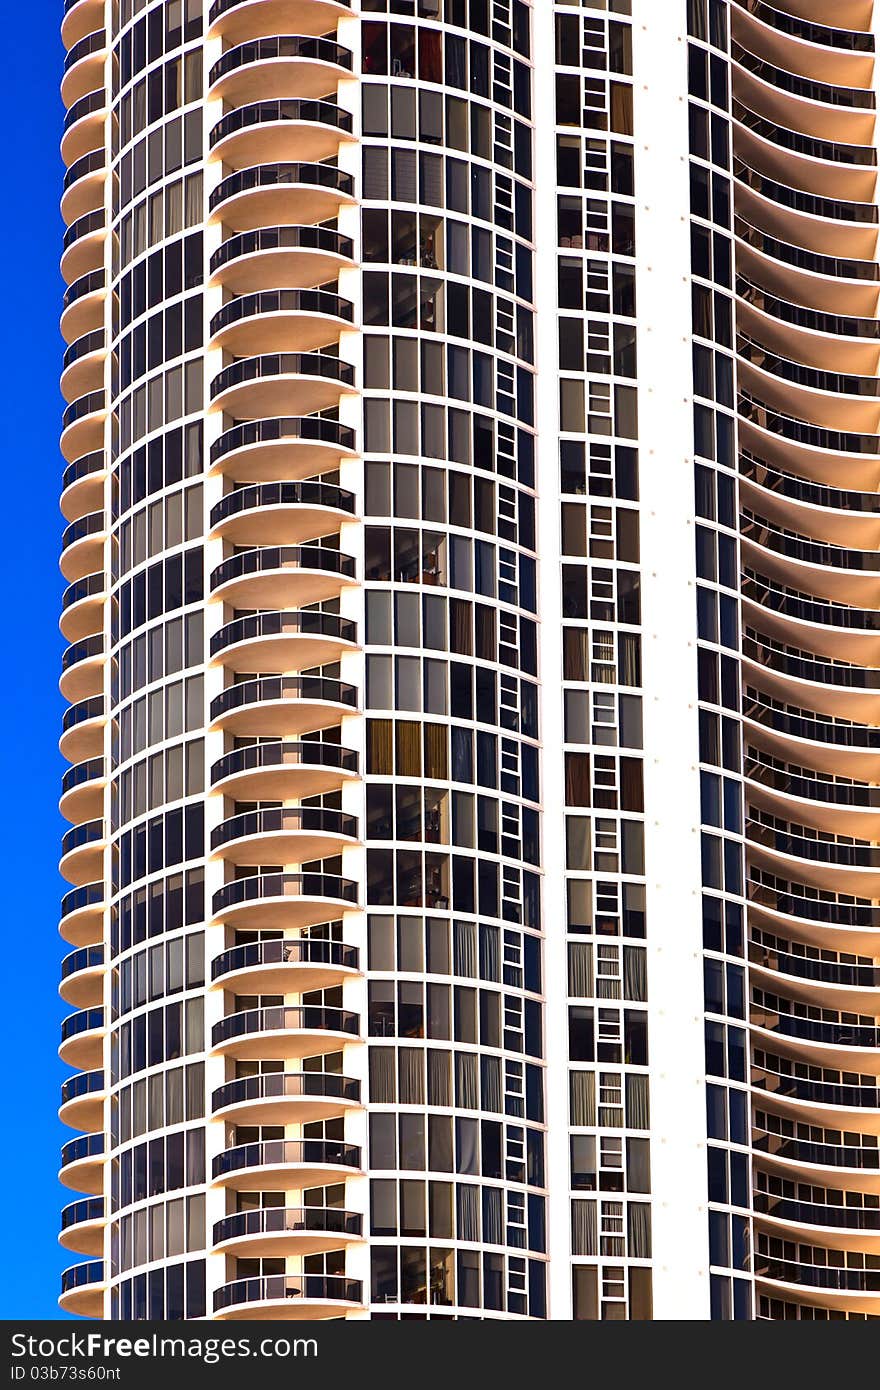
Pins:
<point x="81" y="1275"/>
<point x="279" y="1085"/>
<point x="279" y="1153"/>
<point x="85" y="1083"/>
<point x="86" y="958"/>
<point x="281" y="886"/>
<point x="84" y="1146"/>
<point x="279" y="1288"/>
<point x="308" y="623"/>
<point x="854" y="41"/>
<point x="264" y="368"/>
<point x="325" y="176"/>
<point x="299" y="1018"/>
<point x="306" y="950"/>
<point x="321" y="302"/>
<point x="265" y="689"/>
<point x="274" y="48"/>
<point x="289" y="1221"/>
<point x="78" y="1213"/>
<point x="295" y="110"/>
<point x="322" y="239"/>
<point x="255" y="757"/>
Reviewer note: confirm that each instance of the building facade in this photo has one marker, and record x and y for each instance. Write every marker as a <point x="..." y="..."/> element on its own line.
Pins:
<point x="471" y="486"/>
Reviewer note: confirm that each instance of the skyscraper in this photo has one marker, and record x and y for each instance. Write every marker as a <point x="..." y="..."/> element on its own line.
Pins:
<point x="473" y="499"/>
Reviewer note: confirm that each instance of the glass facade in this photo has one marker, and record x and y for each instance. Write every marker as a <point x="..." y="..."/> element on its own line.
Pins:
<point x="414" y="961"/>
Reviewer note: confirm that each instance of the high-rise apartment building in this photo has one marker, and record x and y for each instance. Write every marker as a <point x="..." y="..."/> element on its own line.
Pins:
<point x="473" y="500"/>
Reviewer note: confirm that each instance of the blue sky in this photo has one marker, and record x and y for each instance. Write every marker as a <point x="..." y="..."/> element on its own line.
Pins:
<point x="30" y="705"/>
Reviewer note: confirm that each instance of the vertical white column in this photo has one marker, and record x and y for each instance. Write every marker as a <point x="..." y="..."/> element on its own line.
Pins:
<point x="550" y="667"/>
<point x="214" y="676"/>
<point x="672" y="788"/>
<point x="107" y="688"/>
<point x="353" y="665"/>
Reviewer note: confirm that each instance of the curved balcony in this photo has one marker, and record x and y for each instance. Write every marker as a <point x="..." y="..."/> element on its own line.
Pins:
<point x="827" y="1286"/>
<point x="848" y="1166"/>
<point x="835" y="400"/>
<point x="82" y="1100"/>
<point x="281" y="321"/>
<point x="281" y="576"/>
<point x="83" y="305"/>
<point x="283" y="705"/>
<point x="284" y="965"/>
<point x="837" y="54"/>
<point x="268" y="131"/>
<point x="282" y="1231"/>
<point x="83" y="133"/>
<point x="836" y="1226"/>
<point x="284" y="770"/>
<point x="82" y="248"/>
<point x="828" y="282"/>
<point x="781" y="486"/>
<point x="82" y="977"/>
<point x="281" y="513"/>
<point x="792" y="444"/>
<point x="259" y="386"/>
<point x="796" y="1089"/>
<point x="81" y="17"/>
<point x="82" y="1039"/>
<point x="278" y="1098"/>
<point x="820" y="166"/>
<point x="836" y="515"/>
<point x="82" y="915"/>
<point x="768" y="775"/>
<point x="768" y="1014"/>
<point x="82" y="668"/>
<point x="271" y="257"/>
<point x="82" y="852"/>
<point x="281" y="66"/>
<point x="82" y="791"/>
<point x="815" y="916"/>
<point x="236" y="20"/>
<point x="82" y="612"/>
<point x="830" y="226"/>
<point x="815" y="625"/>
<point x="82" y="730"/>
<point x="835" y="341"/>
<point x="281" y="450"/>
<point x="284" y="900"/>
<point x="829" y="984"/>
<point x="284" y="835"/>
<point x="837" y="864"/>
<point x="816" y="267"/>
<point x="83" y="185"/>
<point x="286" y="1165"/>
<point x="270" y="195"/>
<point x="825" y="686"/>
<point x="284" y="1032"/>
<point x="833" y="1040"/>
<point x="283" y="641"/>
<point x="83" y="485"/>
<point x="785" y="98"/>
<point x="82" y="1289"/>
<point x="82" y="546"/>
<point x="770" y="27"/>
<point x="82" y="1226"/>
<point x="82" y="430"/>
<point x="84" y="67"/>
<point x="838" y="573"/>
<point x="289" y="1296"/>
<point x="83" y="366"/>
<point x="82" y="1164"/>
